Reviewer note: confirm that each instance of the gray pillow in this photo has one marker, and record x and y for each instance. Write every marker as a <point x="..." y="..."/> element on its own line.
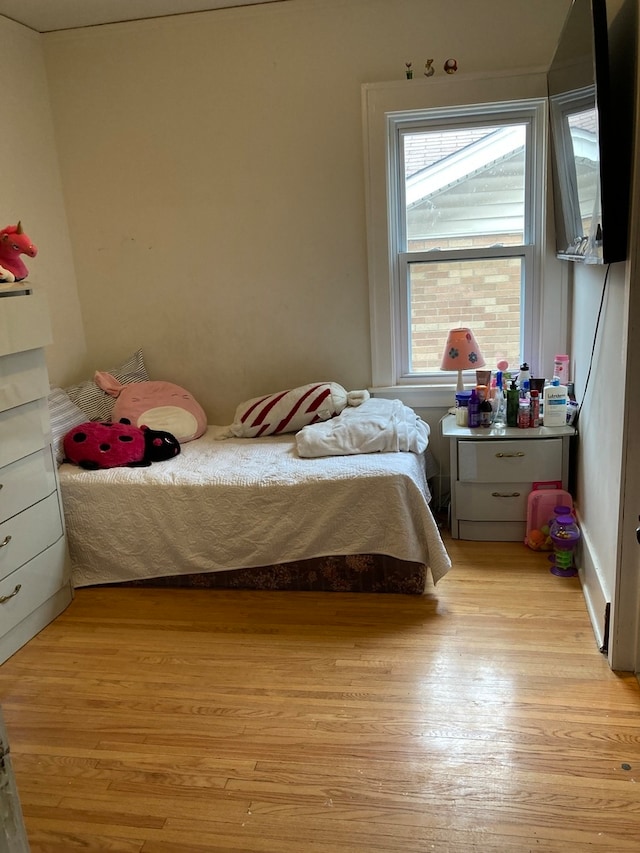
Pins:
<point x="96" y="404"/>
<point x="64" y="415"/>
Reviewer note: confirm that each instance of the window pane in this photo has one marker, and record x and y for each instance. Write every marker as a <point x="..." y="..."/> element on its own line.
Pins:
<point x="582" y="127"/>
<point x="482" y="294"/>
<point x="464" y="187"/>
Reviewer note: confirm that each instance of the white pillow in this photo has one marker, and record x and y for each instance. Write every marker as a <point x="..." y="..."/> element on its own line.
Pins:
<point x="288" y="411"/>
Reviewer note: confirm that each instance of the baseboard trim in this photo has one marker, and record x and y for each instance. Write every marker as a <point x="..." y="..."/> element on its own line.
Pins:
<point x="595" y="595"/>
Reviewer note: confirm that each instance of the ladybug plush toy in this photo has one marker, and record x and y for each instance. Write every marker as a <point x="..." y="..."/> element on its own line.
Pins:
<point x="94" y="445"/>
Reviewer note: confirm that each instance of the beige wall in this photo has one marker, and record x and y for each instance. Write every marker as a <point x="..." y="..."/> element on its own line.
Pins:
<point x="32" y="192"/>
<point x="213" y="175"/>
<point x="597" y="486"/>
<point x="599" y="453"/>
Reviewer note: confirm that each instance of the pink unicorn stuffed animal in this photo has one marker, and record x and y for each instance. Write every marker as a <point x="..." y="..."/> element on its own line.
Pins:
<point x="13" y="243"/>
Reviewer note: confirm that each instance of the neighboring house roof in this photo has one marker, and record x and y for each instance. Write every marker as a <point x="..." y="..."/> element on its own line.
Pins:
<point x="444" y="198"/>
<point x="472" y="182"/>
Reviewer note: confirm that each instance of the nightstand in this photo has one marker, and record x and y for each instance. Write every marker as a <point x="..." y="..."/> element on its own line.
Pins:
<point x="492" y="473"/>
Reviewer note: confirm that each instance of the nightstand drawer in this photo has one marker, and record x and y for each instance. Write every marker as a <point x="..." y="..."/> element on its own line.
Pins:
<point x="25" y="482"/>
<point x="493" y="531"/>
<point x="29" y="533"/>
<point x="492" y="501"/>
<point x="23" y="430"/>
<point x="526" y="461"/>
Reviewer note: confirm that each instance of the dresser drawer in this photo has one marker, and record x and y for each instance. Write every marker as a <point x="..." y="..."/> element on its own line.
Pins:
<point x="24" y="323"/>
<point x="525" y="461"/>
<point x="29" y="533"/>
<point x="30" y="586"/>
<point x="493" y="531"/>
<point x="23" y="378"/>
<point x="23" y="430"/>
<point x="25" y="482"/>
<point x="492" y="501"/>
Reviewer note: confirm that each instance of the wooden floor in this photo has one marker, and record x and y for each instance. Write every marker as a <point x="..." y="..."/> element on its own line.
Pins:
<point x="480" y="717"/>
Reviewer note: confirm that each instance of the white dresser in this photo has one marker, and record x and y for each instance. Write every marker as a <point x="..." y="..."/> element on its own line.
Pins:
<point x="35" y="575"/>
<point x="492" y="474"/>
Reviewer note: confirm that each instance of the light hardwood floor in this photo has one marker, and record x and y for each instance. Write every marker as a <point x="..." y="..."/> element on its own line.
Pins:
<point x="480" y="717"/>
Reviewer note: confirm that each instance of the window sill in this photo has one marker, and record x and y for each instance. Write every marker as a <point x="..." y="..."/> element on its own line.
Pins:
<point x="418" y="396"/>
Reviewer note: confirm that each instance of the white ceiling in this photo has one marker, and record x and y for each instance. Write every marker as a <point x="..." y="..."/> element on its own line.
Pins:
<point x="45" y="16"/>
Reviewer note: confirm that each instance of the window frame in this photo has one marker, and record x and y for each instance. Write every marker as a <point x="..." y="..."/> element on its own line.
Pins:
<point x="562" y="108"/>
<point x="531" y="114"/>
<point x="544" y="310"/>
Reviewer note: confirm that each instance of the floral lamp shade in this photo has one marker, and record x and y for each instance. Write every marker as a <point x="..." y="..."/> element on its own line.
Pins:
<point x="461" y="352"/>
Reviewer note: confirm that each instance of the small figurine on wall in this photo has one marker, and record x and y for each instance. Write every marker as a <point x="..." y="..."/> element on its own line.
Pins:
<point x="13" y="243"/>
<point x="450" y="66"/>
<point x="409" y="71"/>
<point x="429" y="70"/>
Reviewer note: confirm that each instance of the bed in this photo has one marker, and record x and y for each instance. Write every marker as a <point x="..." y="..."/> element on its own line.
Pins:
<point x="251" y="513"/>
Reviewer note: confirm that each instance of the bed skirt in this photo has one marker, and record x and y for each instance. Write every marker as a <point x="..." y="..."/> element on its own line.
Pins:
<point x="356" y="573"/>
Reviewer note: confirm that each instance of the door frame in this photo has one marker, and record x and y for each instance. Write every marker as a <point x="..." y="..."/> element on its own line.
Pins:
<point x="624" y="638"/>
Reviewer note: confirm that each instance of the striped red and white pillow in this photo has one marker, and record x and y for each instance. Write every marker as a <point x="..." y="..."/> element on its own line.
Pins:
<point x="288" y="411"/>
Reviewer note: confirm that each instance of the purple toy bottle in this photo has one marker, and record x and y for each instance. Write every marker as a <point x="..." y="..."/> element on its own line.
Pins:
<point x="565" y="535"/>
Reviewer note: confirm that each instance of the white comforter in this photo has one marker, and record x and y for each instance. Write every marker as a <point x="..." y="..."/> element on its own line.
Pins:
<point x="244" y="503"/>
<point x="375" y="426"/>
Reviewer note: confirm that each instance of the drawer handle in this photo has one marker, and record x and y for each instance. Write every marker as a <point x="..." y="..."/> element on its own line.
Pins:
<point x="505" y="455"/>
<point x="5" y="541"/>
<point x="505" y="494"/>
<point x="4" y="598"/>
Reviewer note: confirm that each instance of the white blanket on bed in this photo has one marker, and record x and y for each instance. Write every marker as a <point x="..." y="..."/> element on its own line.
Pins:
<point x="245" y="503"/>
<point x="375" y="426"/>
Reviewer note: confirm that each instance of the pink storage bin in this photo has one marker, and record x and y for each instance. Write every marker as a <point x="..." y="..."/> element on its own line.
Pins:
<point x="542" y="501"/>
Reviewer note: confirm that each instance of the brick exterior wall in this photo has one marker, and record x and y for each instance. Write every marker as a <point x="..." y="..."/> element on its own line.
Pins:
<point x="483" y="295"/>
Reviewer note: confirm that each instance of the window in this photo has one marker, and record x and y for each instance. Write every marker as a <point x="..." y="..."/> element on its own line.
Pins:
<point x="465" y="187"/>
<point x="575" y="126"/>
<point x="458" y="196"/>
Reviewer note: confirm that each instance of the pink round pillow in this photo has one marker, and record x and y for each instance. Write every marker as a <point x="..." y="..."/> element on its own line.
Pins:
<point x="157" y="404"/>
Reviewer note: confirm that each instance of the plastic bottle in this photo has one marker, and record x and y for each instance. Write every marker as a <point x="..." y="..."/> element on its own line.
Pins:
<point x="524" y="415"/>
<point x="473" y="410"/>
<point x="535" y="408"/>
<point x="483" y="392"/>
<point x="555" y="404"/>
<point x="486" y="412"/>
<point x="524" y="376"/>
<point x="561" y="368"/>
<point x="513" y="397"/>
<point x="462" y="412"/>
<point x="572" y="412"/>
<point x="497" y="399"/>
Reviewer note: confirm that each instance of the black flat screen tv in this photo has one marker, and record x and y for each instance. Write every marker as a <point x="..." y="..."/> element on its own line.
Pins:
<point x="591" y="85"/>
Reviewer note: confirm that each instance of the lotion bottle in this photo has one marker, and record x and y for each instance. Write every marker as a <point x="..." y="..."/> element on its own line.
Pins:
<point x="555" y="404"/>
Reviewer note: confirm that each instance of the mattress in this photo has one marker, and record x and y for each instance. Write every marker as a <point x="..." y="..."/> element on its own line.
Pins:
<point x="241" y="503"/>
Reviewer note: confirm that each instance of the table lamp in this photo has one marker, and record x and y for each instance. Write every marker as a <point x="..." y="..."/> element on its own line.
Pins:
<point x="461" y="352"/>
